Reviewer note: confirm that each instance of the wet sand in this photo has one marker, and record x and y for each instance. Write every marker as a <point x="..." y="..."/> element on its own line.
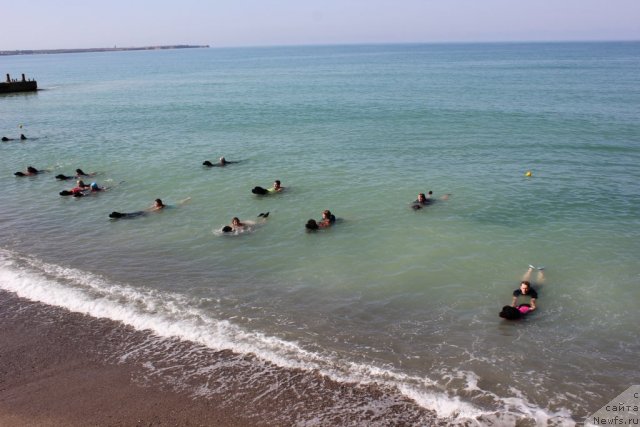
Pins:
<point x="53" y="372"/>
<point x="59" y="368"/>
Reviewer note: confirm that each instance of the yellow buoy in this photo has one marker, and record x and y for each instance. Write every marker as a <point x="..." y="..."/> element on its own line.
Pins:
<point x="528" y="173"/>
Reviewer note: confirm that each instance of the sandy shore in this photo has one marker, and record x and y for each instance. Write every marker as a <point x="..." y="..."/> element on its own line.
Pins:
<point x="59" y="368"/>
<point x="53" y="373"/>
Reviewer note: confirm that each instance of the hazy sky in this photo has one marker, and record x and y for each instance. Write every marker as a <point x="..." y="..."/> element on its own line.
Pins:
<point x="51" y="24"/>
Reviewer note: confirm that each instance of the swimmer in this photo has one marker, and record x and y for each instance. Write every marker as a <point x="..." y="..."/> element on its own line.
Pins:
<point x="524" y="298"/>
<point x="425" y="200"/>
<point x="81" y="189"/>
<point x="29" y="172"/>
<point x="276" y="187"/>
<point x="236" y="224"/>
<point x="79" y="173"/>
<point x="84" y="190"/>
<point x="22" y="137"/>
<point x="527" y="292"/>
<point x="80" y="183"/>
<point x="221" y="162"/>
<point x="328" y="219"/>
<point x="157" y="206"/>
<point x="5" y="139"/>
<point x="94" y="187"/>
<point x="421" y="201"/>
<point x="77" y="191"/>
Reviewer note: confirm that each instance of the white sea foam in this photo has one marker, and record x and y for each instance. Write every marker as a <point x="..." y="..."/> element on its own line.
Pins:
<point x="174" y="315"/>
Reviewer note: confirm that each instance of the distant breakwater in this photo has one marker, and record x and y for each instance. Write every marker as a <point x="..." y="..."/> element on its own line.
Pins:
<point x="14" y="85"/>
<point x="98" y="49"/>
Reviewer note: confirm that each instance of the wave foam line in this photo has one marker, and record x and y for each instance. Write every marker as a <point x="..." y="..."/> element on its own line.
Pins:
<point x="171" y="315"/>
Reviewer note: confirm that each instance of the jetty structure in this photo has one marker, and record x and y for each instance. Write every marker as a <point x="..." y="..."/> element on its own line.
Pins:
<point x="99" y="49"/>
<point x="15" y="85"/>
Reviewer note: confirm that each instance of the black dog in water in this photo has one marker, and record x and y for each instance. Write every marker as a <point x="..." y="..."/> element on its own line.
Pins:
<point x="510" y="313"/>
<point x="124" y="215"/>
<point x="260" y="191"/>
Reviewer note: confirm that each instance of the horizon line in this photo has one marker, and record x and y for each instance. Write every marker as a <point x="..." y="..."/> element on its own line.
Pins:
<point x="7" y="52"/>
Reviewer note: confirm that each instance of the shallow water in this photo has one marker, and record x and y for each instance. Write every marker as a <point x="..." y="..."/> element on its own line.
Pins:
<point x="400" y="297"/>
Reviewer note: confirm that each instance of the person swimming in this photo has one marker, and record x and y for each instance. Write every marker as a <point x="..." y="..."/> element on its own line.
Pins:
<point x="75" y="192"/>
<point x="524" y="298"/>
<point x="157" y="206"/>
<point x="276" y="187"/>
<point x="94" y="187"/>
<point x="84" y="190"/>
<point x="328" y="219"/>
<point x="81" y="189"/>
<point x="421" y="201"/>
<point x="425" y="200"/>
<point x="260" y="191"/>
<point x="7" y="139"/>
<point x="238" y="226"/>
<point x="79" y="173"/>
<point x="221" y="162"/>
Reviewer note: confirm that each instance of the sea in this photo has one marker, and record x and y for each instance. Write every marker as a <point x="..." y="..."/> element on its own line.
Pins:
<point x="389" y="296"/>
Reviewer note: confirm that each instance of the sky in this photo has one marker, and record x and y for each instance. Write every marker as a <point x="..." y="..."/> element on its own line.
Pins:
<point x="66" y="24"/>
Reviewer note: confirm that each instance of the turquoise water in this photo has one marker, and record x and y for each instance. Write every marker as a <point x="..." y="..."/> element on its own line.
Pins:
<point x="401" y="297"/>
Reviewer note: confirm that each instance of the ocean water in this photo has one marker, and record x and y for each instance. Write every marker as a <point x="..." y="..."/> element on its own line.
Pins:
<point x="402" y="298"/>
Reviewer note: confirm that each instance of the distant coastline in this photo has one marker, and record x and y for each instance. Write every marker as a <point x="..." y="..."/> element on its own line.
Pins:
<point x="98" y="49"/>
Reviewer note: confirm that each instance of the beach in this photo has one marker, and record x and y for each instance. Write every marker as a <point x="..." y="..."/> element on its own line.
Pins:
<point x="63" y="369"/>
<point x="389" y="316"/>
<point x="54" y="373"/>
